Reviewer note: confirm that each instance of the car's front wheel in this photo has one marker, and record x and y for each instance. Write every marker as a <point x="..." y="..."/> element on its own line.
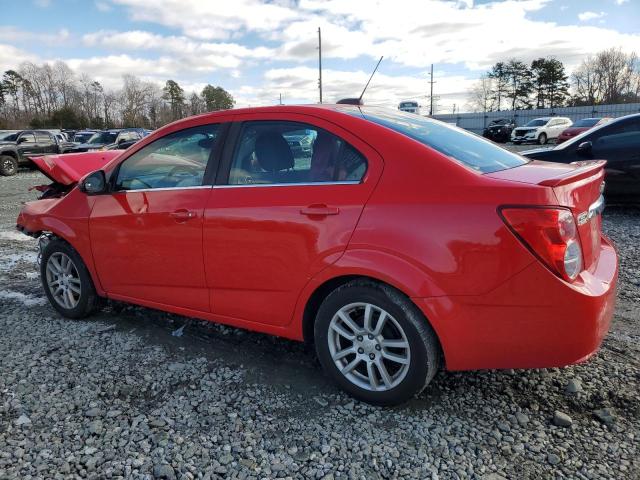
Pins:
<point x="375" y="343"/>
<point x="66" y="280"/>
<point x="542" y="139"/>
<point x="8" y="165"/>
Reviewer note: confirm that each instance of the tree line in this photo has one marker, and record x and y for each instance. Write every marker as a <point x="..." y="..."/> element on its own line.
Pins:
<point x="53" y="96"/>
<point x="608" y="77"/>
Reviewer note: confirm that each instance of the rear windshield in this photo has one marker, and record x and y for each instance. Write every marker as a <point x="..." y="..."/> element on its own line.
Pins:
<point x="586" y="122"/>
<point x="467" y="148"/>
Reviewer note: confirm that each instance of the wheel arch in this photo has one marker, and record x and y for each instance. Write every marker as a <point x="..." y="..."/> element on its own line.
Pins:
<point x="321" y="291"/>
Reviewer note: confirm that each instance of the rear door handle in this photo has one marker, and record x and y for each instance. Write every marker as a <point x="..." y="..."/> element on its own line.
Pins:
<point x="320" y="209"/>
<point x="183" y="215"/>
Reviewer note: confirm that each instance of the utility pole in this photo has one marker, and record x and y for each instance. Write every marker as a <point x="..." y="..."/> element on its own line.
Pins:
<point x="454" y="109"/>
<point x="280" y="99"/>
<point x="320" y="63"/>
<point x="431" y="82"/>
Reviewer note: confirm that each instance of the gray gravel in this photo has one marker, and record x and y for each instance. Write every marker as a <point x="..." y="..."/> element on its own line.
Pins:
<point x="137" y="393"/>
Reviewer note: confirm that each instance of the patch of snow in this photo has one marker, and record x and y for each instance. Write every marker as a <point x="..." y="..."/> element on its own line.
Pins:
<point x="32" y="275"/>
<point x="8" y="261"/>
<point x="27" y="300"/>
<point x="15" y="236"/>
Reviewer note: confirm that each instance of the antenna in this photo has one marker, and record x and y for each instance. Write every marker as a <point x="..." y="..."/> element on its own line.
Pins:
<point x="358" y="101"/>
<point x="374" y="72"/>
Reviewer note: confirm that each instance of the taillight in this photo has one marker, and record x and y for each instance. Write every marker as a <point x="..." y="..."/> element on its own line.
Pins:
<point x="551" y="234"/>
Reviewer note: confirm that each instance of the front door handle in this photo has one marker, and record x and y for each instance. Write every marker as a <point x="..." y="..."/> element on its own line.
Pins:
<point x="183" y="215"/>
<point x="319" y="209"/>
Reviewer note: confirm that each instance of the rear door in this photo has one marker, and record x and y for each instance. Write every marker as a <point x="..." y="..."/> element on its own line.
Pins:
<point x="288" y="198"/>
<point x="45" y="143"/>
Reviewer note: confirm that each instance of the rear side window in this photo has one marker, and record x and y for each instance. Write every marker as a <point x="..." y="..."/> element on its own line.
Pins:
<point x="42" y="137"/>
<point x="471" y="150"/>
<point x="275" y="152"/>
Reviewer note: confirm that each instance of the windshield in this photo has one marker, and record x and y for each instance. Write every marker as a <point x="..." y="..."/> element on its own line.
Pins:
<point x="8" y="137"/>
<point x="103" y="137"/>
<point x="408" y="104"/>
<point x="586" y="122"/>
<point x="471" y="150"/>
<point x="536" y="123"/>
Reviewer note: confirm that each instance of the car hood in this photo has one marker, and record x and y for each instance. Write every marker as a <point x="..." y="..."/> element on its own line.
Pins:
<point x="67" y="169"/>
<point x="4" y="142"/>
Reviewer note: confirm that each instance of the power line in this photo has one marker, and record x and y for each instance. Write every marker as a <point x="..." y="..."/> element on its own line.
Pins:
<point x="431" y="82"/>
<point x="320" y="63"/>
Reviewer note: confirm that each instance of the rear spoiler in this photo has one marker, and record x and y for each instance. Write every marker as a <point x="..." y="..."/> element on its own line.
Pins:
<point x="585" y="169"/>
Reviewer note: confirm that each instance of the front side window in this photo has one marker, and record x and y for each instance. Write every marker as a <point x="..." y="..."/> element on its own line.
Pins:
<point x="27" y="138"/>
<point x="177" y="160"/>
<point x="291" y="152"/>
<point x="536" y="123"/>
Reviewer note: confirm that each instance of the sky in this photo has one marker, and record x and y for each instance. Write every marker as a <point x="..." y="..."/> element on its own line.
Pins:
<point x="259" y="50"/>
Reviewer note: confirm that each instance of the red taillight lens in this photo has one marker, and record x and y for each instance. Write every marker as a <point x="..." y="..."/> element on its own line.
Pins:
<point x="551" y="234"/>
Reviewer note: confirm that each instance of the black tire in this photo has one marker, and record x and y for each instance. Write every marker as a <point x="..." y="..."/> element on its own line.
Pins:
<point x="8" y="165"/>
<point x="542" y="139"/>
<point x="425" y="353"/>
<point x="88" y="301"/>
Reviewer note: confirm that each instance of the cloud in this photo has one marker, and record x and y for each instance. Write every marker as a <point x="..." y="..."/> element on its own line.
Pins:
<point x="13" y="34"/>
<point x="103" y="6"/>
<point x="9" y="54"/>
<point x="586" y="16"/>
<point x="213" y="20"/>
<point x="621" y="2"/>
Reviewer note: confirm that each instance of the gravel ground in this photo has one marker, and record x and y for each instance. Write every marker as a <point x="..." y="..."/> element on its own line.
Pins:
<point x="137" y="393"/>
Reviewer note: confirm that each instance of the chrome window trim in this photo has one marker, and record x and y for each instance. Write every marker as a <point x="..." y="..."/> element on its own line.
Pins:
<point x="162" y="189"/>
<point x="299" y="184"/>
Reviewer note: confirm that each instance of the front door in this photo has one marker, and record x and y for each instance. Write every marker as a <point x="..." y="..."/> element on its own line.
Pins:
<point x="27" y="145"/>
<point x="146" y="235"/>
<point x="291" y="195"/>
<point x="619" y="144"/>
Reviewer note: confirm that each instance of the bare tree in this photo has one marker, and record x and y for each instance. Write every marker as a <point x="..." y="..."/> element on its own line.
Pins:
<point x="481" y="95"/>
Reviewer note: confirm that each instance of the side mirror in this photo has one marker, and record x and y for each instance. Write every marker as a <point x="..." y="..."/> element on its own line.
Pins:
<point x="584" y="148"/>
<point x="94" y="183"/>
<point x="23" y="139"/>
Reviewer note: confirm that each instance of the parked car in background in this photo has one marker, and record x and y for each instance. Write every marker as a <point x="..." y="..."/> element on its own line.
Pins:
<point x="401" y="245"/>
<point x="540" y="130"/>
<point x="83" y="136"/>
<point x="100" y="140"/>
<point x="123" y="141"/>
<point x="409" y="106"/>
<point x="20" y="147"/>
<point x="617" y="142"/>
<point x="580" y="126"/>
<point x="499" y="130"/>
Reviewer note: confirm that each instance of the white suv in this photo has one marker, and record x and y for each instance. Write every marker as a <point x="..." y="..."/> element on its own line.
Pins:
<point x="540" y="130"/>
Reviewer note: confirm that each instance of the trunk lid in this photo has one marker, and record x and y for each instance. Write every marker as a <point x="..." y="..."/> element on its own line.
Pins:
<point x="577" y="186"/>
<point x="68" y="168"/>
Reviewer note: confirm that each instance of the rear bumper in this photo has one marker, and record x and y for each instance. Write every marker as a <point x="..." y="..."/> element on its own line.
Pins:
<point x="534" y="320"/>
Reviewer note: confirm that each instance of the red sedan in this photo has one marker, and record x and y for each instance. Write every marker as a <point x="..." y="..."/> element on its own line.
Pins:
<point x="581" y="126"/>
<point x="398" y="244"/>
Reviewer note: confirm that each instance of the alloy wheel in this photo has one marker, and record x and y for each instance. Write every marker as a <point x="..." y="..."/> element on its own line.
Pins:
<point x="369" y="347"/>
<point x="8" y="166"/>
<point x="63" y="280"/>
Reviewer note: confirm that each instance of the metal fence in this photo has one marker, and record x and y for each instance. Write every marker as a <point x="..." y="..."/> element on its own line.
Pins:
<point x="476" y="122"/>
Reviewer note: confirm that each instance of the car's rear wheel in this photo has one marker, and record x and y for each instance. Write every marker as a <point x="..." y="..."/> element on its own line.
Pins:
<point x="8" y="165"/>
<point x="66" y="280"/>
<point x="542" y="139"/>
<point x="375" y="343"/>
